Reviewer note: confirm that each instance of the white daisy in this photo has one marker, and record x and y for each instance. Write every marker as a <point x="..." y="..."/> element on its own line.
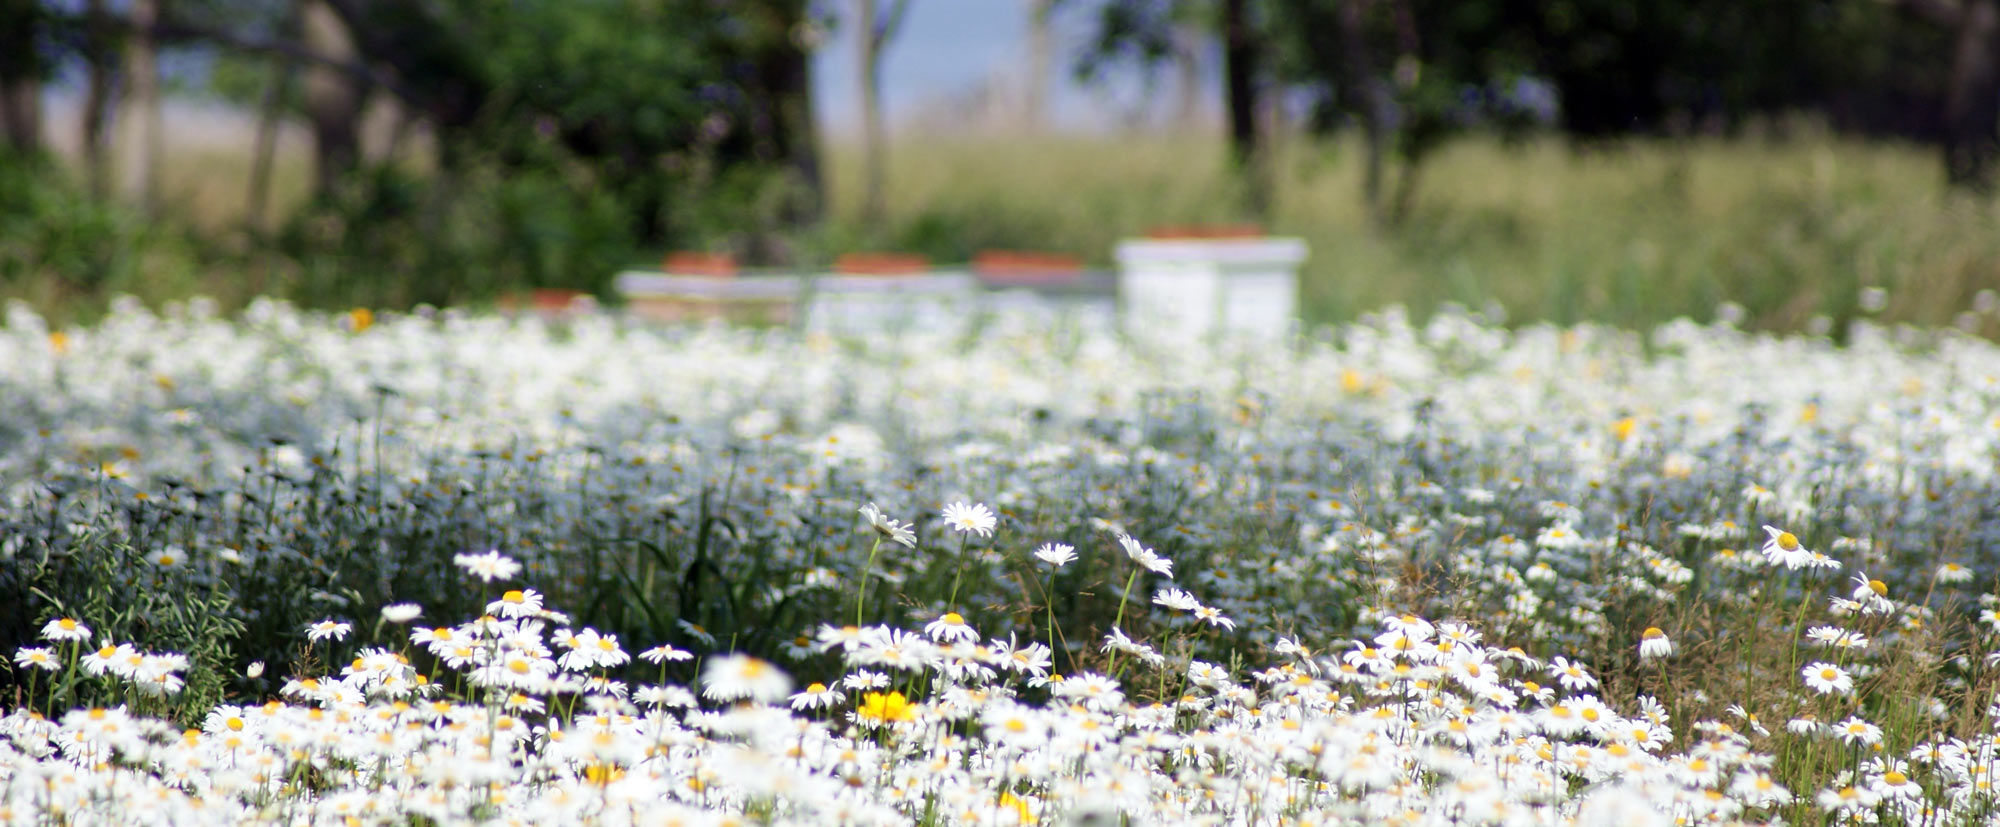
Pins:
<point x="950" y="627"/>
<point x="328" y="629"/>
<point x="1056" y="554"/>
<point x="1827" y="679"/>
<point x="970" y="519"/>
<point x="888" y="528"/>
<point x="64" y="629"/>
<point x="401" y="612"/>
<point x="1147" y="558"/>
<point x="489" y="566"/>
<point x="742" y="677"/>
<point x="1653" y="643"/>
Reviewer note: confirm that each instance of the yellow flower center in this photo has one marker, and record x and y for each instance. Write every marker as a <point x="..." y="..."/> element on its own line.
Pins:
<point x="1622" y="429"/>
<point x="1880" y="588"/>
<point x="1021" y="814"/>
<point x="1653" y="633"/>
<point x="1894" y="778"/>
<point x="1788" y="541"/>
<point x="515" y="596"/>
<point x="881" y="708"/>
<point x="953" y="619"/>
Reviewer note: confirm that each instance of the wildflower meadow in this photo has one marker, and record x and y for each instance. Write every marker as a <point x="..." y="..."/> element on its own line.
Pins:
<point x="285" y="567"/>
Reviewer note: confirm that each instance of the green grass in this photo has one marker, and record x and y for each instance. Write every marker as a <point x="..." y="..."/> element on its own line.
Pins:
<point x="1633" y="235"/>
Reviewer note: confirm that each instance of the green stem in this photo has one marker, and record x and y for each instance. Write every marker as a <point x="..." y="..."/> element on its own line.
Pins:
<point x="1049" y="602"/>
<point x="861" y="591"/>
<point x="959" y="576"/>
<point x="1112" y="666"/>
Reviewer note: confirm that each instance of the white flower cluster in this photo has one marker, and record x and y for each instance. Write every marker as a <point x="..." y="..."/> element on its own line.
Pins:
<point x="1421" y="724"/>
<point x="1779" y="540"/>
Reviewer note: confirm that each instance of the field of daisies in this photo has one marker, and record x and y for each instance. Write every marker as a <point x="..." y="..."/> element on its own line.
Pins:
<point x="444" y="568"/>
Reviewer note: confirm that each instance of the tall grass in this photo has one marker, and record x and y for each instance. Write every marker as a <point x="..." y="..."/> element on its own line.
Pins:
<point x="1631" y="235"/>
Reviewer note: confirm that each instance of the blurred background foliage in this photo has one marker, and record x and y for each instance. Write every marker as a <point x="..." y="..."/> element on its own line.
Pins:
<point x="1623" y="160"/>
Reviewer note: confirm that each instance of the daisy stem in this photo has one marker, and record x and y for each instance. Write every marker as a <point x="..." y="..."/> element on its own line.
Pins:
<point x="1049" y="603"/>
<point x="1798" y="624"/>
<point x="958" y="576"/>
<point x="1112" y="666"/>
<point x="861" y="591"/>
<point x="68" y="688"/>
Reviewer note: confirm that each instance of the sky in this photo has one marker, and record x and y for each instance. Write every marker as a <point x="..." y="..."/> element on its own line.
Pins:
<point x="954" y="65"/>
<point x="949" y="50"/>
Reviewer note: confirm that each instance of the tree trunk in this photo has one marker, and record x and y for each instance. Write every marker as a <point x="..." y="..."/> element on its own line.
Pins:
<point x="1041" y="52"/>
<point x="877" y="30"/>
<point x="332" y="97"/>
<point x="140" y="133"/>
<point x="1240" y="55"/>
<point x="21" y="22"/>
<point x="1406" y="191"/>
<point x="1362" y="87"/>
<point x="269" y="111"/>
<point x="801" y="144"/>
<point x="98" y="56"/>
<point x="778" y="123"/>
<point x="871" y="113"/>
<point x="1972" y="104"/>
<point x="21" y="112"/>
<point x="1187" y="81"/>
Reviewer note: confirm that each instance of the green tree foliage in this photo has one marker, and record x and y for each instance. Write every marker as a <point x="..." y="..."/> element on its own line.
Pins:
<point x="1411" y="73"/>
<point x="556" y="126"/>
<point x="569" y="135"/>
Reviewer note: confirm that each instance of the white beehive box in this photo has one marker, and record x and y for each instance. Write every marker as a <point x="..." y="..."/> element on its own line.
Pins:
<point x="1196" y="288"/>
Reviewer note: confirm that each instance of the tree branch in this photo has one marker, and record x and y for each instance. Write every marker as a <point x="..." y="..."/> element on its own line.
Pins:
<point x="183" y="31"/>
<point x="1941" y="12"/>
<point x="889" y="24"/>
